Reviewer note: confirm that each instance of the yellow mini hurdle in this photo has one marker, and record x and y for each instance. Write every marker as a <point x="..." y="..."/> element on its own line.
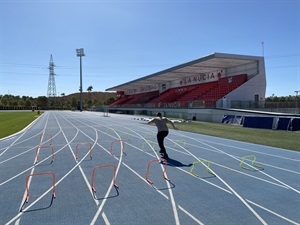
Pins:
<point x="252" y="163"/>
<point x="207" y="165"/>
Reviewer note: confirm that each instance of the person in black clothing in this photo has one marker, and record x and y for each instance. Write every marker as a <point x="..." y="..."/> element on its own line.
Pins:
<point x="162" y="132"/>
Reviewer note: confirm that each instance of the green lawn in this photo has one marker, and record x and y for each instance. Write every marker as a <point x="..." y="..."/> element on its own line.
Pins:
<point x="12" y="122"/>
<point x="275" y="138"/>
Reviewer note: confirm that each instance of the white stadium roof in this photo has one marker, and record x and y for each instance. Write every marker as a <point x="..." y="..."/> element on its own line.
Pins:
<point x="207" y="64"/>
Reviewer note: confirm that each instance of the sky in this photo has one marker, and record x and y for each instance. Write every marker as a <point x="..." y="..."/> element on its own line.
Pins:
<point x="124" y="40"/>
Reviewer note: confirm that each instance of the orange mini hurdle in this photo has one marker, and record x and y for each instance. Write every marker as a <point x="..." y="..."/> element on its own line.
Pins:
<point x="164" y="172"/>
<point x="39" y="174"/>
<point x="42" y="137"/>
<point x="122" y="145"/>
<point x="44" y="146"/>
<point x="103" y="166"/>
<point x="37" y="152"/>
<point x="91" y="157"/>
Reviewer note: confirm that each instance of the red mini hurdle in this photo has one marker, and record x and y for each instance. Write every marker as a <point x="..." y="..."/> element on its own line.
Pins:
<point x="37" y="152"/>
<point x="39" y="174"/>
<point x="90" y="150"/>
<point x="122" y="145"/>
<point x="103" y="166"/>
<point x="44" y="146"/>
<point x="164" y="172"/>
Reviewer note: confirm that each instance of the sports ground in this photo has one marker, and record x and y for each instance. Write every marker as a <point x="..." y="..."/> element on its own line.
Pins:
<point x="87" y="168"/>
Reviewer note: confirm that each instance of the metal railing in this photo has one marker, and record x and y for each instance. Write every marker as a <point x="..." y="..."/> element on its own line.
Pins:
<point x="282" y="107"/>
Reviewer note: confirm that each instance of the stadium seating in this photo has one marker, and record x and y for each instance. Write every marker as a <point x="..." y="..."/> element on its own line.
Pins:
<point x="136" y="98"/>
<point x="207" y="93"/>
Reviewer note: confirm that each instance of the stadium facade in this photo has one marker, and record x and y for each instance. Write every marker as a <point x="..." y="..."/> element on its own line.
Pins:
<point x="219" y="80"/>
<point x="214" y="88"/>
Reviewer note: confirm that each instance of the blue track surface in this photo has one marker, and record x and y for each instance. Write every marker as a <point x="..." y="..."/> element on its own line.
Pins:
<point x="118" y="148"/>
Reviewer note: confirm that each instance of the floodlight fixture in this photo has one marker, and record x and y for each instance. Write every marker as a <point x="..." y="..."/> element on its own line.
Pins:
<point x="80" y="52"/>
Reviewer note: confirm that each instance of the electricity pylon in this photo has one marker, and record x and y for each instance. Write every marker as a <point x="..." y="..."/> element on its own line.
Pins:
<point x="51" y="82"/>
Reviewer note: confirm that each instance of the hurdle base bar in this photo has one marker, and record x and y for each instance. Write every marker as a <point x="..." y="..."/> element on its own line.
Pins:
<point x="164" y="171"/>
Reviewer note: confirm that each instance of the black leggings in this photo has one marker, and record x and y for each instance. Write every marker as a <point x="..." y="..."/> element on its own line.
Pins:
<point x="160" y="139"/>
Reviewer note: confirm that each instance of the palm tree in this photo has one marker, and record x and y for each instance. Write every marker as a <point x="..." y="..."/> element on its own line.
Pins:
<point x="89" y="89"/>
<point x="62" y="100"/>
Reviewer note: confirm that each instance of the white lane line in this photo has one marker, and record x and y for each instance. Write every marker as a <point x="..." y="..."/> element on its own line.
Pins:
<point x="274" y="213"/>
<point x="168" y="184"/>
<point x="224" y="189"/>
<point x="263" y="164"/>
<point x="230" y="188"/>
<point x="171" y="194"/>
<point x="231" y="156"/>
<point x="257" y="152"/>
<point x="72" y="152"/>
<point x="46" y="192"/>
<point x="105" y="219"/>
<point x="248" y="175"/>
<point x="190" y="215"/>
<point x="112" y="184"/>
<point x="175" y="212"/>
<point x="142" y="178"/>
<point x="110" y="187"/>
<point x="32" y="171"/>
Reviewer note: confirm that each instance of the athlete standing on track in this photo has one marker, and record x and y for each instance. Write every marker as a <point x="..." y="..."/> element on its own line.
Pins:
<point x="162" y="132"/>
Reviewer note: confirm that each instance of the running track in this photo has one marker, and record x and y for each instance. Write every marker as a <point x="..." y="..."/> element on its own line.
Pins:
<point x="117" y="153"/>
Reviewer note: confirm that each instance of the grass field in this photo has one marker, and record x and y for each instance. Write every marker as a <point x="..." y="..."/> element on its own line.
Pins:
<point x="12" y="122"/>
<point x="274" y="138"/>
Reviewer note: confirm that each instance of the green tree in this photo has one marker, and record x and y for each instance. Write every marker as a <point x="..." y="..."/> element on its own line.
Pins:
<point x="89" y="89"/>
<point x="74" y="103"/>
<point x="4" y="101"/>
<point x="42" y="102"/>
<point x="109" y="100"/>
<point x="27" y="103"/>
<point x="62" y="99"/>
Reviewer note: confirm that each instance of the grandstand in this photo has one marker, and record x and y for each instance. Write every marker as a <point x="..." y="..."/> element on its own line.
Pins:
<point x="218" y="80"/>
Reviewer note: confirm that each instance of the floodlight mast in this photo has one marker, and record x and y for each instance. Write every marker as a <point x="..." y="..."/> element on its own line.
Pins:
<point x="80" y="53"/>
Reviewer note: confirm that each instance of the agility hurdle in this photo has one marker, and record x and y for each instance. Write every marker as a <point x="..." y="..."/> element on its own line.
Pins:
<point x="37" y="153"/>
<point x="207" y="165"/>
<point x="177" y="143"/>
<point x="122" y="146"/>
<point x="90" y="150"/>
<point x="164" y="171"/>
<point x="50" y="139"/>
<point x="40" y="174"/>
<point x="103" y="166"/>
<point x="44" y="146"/>
<point x="252" y="163"/>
